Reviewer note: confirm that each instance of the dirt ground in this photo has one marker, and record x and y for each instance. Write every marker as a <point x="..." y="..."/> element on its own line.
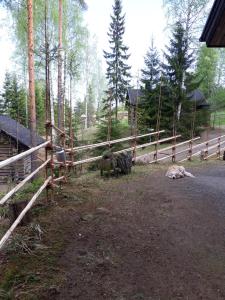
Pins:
<point x="145" y="237"/>
<point x="154" y="239"/>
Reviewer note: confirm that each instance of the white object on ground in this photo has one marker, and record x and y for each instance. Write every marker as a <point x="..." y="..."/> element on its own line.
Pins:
<point x="176" y="172"/>
<point x="143" y="159"/>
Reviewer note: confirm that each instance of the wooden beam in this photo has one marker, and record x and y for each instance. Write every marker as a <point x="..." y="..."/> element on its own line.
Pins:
<point x="22" y="214"/>
<point x="17" y="157"/>
<point x="22" y="183"/>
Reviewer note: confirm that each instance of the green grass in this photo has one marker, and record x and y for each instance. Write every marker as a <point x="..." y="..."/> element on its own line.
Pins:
<point x="218" y="118"/>
<point x="151" y="149"/>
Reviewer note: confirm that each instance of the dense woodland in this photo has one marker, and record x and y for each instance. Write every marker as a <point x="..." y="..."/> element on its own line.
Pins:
<point x="70" y="64"/>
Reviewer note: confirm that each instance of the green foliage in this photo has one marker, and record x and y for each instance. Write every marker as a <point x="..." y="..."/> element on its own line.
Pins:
<point x="117" y="72"/>
<point x="3" y="212"/>
<point x="190" y="13"/>
<point x="90" y="106"/>
<point x="13" y="99"/>
<point x="180" y="81"/>
<point x="207" y="69"/>
<point x="147" y="113"/>
<point x="79" y="110"/>
<point x="217" y="99"/>
<point x="28" y="190"/>
<point x="118" y="130"/>
<point x="40" y="106"/>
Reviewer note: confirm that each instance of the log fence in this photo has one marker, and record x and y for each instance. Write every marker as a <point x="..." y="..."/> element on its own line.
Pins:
<point x="49" y="163"/>
<point x="207" y="147"/>
<point x="5" y="198"/>
<point x="50" y="181"/>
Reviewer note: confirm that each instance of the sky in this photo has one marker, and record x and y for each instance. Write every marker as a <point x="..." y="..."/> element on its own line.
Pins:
<point x="6" y="45"/>
<point x="144" y="19"/>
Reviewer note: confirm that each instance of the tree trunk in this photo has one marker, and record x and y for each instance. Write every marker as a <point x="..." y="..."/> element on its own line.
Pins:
<point x="32" y="105"/>
<point x="60" y="64"/>
<point x="47" y="67"/>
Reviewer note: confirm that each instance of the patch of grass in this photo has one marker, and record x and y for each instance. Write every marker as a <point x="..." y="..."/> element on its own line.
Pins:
<point x="218" y="118"/>
<point x="4" y="212"/>
<point x="28" y="190"/>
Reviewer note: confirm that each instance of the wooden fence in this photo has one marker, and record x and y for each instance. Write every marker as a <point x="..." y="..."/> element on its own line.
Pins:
<point x="48" y="163"/>
<point x="20" y="185"/>
<point x="205" y="150"/>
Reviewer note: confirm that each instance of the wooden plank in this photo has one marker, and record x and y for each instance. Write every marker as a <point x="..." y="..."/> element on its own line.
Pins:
<point x="22" y="183"/>
<point x="21" y="155"/>
<point x="24" y="211"/>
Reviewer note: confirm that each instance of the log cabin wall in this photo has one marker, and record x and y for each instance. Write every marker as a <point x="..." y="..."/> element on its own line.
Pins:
<point x="9" y="148"/>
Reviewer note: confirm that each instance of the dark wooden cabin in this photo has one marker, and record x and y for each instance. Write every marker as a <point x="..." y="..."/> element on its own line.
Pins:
<point x="14" y="139"/>
<point x="133" y="99"/>
<point x="214" y="30"/>
<point x="198" y="97"/>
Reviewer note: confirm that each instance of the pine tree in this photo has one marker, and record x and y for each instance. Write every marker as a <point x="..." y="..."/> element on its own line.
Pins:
<point x="117" y="72"/>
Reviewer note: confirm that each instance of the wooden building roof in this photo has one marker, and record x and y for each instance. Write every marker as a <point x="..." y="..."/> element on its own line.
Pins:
<point x="199" y="98"/>
<point x="133" y="96"/>
<point x="214" y="30"/>
<point x="196" y="95"/>
<point x="17" y="131"/>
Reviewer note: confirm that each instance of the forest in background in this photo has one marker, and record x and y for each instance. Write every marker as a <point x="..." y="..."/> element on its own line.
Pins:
<point x="172" y="75"/>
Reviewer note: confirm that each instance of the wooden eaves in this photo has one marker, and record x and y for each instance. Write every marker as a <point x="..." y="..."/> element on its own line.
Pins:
<point x="214" y="31"/>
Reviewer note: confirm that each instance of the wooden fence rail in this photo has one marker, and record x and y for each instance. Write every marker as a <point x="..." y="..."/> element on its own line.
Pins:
<point x="93" y="159"/>
<point x="22" y="183"/>
<point x="108" y="143"/>
<point x="171" y="148"/>
<point x="207" y="149"/>
<point x="17" y="157"/>
<point x="24" y="211"/>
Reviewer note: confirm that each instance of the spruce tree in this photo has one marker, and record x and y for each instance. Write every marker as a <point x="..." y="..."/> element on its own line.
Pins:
<point x="151" y="71"/>
<point x="117" y="72"/>
<point x="178" y="63"/>
<point x="151" y="80"/>
<point x="179" y="79"/>
<point x="13" y="99"/>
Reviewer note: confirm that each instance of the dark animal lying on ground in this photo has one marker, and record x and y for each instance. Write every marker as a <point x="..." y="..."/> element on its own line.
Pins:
<point x="108" y="163"/>
<point x="124" y="162"/>
<point x="118" y="163"/>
